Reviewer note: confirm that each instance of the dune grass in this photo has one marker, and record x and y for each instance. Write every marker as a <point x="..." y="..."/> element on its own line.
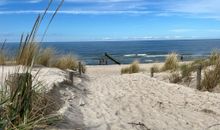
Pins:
<point x="214" y="57"/>
<point x="66" y="62"/>
<point x="211" y="65"/>
<point x="186" y="70"/>
<point x="133" y="68"/>
<point x="2" y="55"/>
<point x="21" y="106"/>
<point x="2" y="58"/>
<point x="45" y="57"/>
<point x="212" y="76"/>
<point x="171" y="62"/>
<point x="27" y="53"/>
<point x="175" y="77"/>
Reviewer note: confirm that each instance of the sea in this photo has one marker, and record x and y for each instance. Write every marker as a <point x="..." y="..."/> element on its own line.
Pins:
<point x="128" y="51"/>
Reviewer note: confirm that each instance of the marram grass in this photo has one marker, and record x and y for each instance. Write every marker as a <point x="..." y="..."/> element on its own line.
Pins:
<point x="66" y="62"/>
<point x="171" y="62"/>
<point x="2" y="58"/>
<point x="45" y="57"/>
<point x="133" y="68"/>
<point x="21" y="106"/>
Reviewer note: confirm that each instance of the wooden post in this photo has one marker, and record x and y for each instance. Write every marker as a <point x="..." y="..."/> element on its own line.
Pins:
<point x="70" y="77"/>
<point x="80" y="68"/>
<point x="199" y="71"/>
<point x="152" y="72"/>
<point x="106" y="61"/>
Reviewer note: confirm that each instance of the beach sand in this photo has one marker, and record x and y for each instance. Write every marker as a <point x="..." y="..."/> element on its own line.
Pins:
<point x="103" y="99"/>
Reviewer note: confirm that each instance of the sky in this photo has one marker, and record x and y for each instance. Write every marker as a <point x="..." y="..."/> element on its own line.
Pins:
<point x="101" y="20"/>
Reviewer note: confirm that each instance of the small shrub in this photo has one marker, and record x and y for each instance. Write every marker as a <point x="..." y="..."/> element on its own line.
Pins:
<point x="175" y="77"/>
<point x="171" y="62"/>
<point x="212" y="77"/>
<point x="66" y="62"/>
<point x="45" y="57"/>
<point x="133" y="68"/>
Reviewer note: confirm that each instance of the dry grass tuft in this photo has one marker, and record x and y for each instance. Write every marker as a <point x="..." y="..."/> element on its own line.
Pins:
<point x="133" y="68"/>
<point x="171" y="62"/>
<point x="27" y="53"/>
<point x="45" y="57"/>
<point x="23" y="107"/>
<point x="203" y="62"/>
<point x="175" y="77"/>
<point x="186" y="70"/>
<point x="214" y="57"/>
<point x="2" y="58"/>
<point x="66" y="62"/>
<point x="212" y="77"/>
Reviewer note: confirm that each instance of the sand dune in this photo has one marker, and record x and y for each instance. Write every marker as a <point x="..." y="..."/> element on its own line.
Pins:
<point x="103" y="99"/>
<point x="106" y="100"/>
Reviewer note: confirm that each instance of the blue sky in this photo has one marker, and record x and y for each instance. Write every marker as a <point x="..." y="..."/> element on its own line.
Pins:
<point x="91" y="20"/>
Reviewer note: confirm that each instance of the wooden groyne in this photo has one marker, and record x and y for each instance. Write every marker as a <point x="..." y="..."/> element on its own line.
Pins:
<point x="104" y="60"/>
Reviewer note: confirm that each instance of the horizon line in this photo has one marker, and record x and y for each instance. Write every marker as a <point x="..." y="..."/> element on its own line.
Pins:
<point x="125" y="40"/>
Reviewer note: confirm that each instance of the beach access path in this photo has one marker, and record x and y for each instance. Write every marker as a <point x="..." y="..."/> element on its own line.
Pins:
<point x="112" y="101"/>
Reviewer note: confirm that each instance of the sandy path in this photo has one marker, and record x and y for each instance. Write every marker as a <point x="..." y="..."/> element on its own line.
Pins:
<point x="115" y="102"/>
<point x="105" y="100"/>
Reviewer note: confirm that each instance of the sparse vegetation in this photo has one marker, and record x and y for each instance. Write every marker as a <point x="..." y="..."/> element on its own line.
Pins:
<point x="171" y="62"/>
<point x="175" y="77"/>
<point x="214" y="57"/>
<point x="27" y="54"/>
<point x="212" y="77"/>
<point x="66" y="62"/>
<point x="2" y="58"/>
<point x="203" y="62"/>
<point x="185" y="70"/>
<point x="45" y="57"/>
<point x="21" y="106"/>
<point x="133" y="68"/>
<point x="155" y="68"/>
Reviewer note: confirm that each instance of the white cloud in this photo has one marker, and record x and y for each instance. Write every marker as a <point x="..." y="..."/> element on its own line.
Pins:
<point x="101" y="1"/>
<point x="34" y="1"/>
<point x="22" y="12"/>
<point x="214" y="30"/>
<point x="196" y="6"/>
<point x="3" y="2"/>
<point x="181" y="30"/>
<point x="94" y="12"/>
<point x="208" y="9"/>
